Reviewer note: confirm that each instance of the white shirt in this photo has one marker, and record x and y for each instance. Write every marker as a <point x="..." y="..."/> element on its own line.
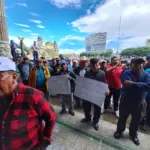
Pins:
<point x="82" y="72"/>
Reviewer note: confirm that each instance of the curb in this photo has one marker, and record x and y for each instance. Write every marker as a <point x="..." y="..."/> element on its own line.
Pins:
<point x="95" y="136"/>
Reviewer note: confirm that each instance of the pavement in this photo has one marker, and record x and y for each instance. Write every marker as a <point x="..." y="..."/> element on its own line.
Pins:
<point x="71" y="134"/>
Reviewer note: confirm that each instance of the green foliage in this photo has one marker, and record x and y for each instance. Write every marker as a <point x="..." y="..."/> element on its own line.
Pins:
<point x="108" y="53"/>
<point x="26" y="49"/>
<point x="139" y="51"/>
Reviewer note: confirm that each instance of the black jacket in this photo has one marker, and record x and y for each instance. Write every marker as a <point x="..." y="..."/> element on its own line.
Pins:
<point x="99" y="76"/>
<point x="78" y="69"/>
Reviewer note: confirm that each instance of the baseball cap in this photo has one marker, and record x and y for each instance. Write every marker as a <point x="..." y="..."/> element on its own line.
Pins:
<point x="75" y="61"/>
<point x="102" y="61"/>
<point x="7" y="64"/>
<point x="137" y="61"/>
<point x="148" y="58"/>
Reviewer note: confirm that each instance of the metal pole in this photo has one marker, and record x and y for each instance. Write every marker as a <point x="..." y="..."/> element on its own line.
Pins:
<point x="119" y="30"/>
<point x="119" y="33"/>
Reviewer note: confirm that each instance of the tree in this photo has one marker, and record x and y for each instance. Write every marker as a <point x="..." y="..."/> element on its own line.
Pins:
<point x="108" y="53"/>
<point x="137" y="52"/>
<point x="84" y="54"/>
<point x="25" y="48"/>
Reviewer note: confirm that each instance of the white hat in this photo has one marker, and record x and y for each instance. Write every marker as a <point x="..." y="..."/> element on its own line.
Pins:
<point x="6" y="64"/>
<point x="75" y="61"/>
<point x="101" y="61"/>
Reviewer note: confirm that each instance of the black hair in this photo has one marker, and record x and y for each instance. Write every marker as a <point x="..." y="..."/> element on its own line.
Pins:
<point x="94" y="61"/>
<point x="114" y="57"/>
<point x="62" y="64"/>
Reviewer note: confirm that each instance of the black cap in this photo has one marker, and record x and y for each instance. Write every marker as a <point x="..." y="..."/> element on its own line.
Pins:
<point x="137" y="61"/>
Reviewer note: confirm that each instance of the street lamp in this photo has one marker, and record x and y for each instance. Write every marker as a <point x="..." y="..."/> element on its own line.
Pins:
<point x="21" y="45"/>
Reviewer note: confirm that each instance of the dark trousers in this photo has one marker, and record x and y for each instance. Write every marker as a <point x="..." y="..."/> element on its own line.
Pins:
<point x="25" y="82"/>
<point x="78" y="102"/>
<point x="148" y="112"/>
<point x="66" y="99"/>
<point x="87" y="111"/>
<point x="126" y="108"/>
<point x="116" y="95"/>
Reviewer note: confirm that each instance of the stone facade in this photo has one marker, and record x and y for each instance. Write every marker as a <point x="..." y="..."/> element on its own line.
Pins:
<point x="5" y="49"/>
<point x="49" y="45"/>
<point x="40" y="42"/>
<point x="4" y="45"/>
<point x="3" y="26"/>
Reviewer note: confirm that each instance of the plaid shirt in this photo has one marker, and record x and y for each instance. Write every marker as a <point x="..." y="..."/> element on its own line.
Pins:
<point x="21" y="126"/>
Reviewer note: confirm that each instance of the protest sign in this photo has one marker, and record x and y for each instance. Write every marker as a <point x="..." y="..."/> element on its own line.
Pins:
<point x="59" y="85"/>
<point x="91" y="90"/>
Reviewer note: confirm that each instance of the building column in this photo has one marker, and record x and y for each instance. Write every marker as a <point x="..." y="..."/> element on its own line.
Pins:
<point x="4" y="42"/>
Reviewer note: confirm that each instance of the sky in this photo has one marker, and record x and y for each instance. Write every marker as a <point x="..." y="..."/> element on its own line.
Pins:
<point x="68" y="22"/>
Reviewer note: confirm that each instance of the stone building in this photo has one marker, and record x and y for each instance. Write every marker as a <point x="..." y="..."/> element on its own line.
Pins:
<point x="4" y="43"/>
<point x="39" y="42"/>
<point x="47" y="49"/>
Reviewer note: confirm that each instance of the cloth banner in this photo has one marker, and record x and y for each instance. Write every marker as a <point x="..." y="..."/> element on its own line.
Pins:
<point x="59" y="85"/>
<point x="90" y="90"/>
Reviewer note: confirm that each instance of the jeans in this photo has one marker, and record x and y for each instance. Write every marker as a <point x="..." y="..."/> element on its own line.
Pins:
<point x="148" y="112"/>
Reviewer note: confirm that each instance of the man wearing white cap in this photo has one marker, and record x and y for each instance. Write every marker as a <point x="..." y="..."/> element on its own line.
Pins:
<point x="22" y="110"/>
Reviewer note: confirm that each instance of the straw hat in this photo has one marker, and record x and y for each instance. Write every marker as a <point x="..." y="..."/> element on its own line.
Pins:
<point x="83" y="59"/>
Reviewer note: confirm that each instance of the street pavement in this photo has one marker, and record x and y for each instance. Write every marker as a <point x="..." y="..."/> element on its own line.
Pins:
<point x="71" y="134"/>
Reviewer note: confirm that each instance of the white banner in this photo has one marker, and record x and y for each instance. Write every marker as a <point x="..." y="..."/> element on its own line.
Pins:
<point x="91" y="90"/>
<point x="59" y="85"/>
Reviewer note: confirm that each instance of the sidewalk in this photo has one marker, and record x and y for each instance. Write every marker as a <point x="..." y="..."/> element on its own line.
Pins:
<point x="102" y="138"/>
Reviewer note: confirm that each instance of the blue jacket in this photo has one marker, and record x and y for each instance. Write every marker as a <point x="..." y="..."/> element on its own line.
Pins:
<point x="141" y="84"/>
<point x="148" y="71"/>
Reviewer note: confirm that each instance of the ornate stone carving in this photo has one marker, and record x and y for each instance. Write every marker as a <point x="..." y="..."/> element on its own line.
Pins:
<point x="5" y="49"/>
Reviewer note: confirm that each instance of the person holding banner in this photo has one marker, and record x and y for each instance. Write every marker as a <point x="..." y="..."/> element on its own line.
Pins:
<point x="96" y="74"/>
<point x="80" y="71"/>
<point x="68" y="98"/>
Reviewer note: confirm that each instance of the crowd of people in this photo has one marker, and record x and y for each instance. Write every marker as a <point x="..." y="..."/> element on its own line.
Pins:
<point x="128" y="82"/>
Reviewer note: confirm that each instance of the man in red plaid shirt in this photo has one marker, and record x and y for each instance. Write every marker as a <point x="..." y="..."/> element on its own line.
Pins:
<point x="22" y="110"/>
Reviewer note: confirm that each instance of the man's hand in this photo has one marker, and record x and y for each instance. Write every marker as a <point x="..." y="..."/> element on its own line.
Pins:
<point x="58" y="70"/>
<point x="128" y="83"/>
<point x="118" y="63"/>
<point x="107" y="92"/>
<point x="46" y="76"/>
